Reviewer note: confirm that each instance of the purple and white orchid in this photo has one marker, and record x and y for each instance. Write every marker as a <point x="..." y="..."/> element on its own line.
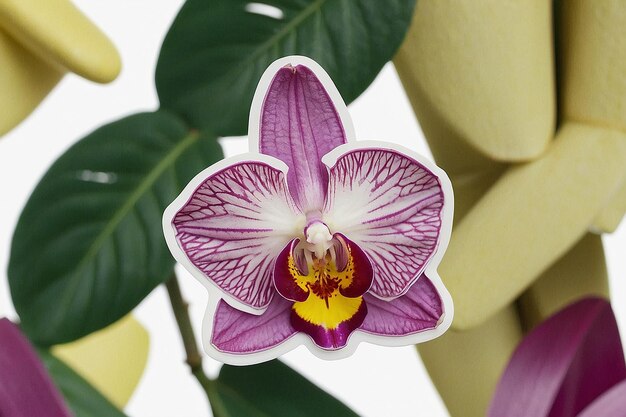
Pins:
<point x="312" y="238"/>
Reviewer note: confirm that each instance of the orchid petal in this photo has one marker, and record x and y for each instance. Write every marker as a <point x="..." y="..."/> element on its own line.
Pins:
<point x="328" y="303"/>
<point x="363" y="273"/>
<point x="300" y="124"/>
<point x="234" y="225"/>
<point x="25" y="387"/>
<point x="241" y="333"/>
<point x="419" y="309"/>
<point x="610" y="404"/>
<point x="337" y="336"/>
<point x="563" y="364"/>
<point x="284" y="273"/>
<point x="391" y="206"/>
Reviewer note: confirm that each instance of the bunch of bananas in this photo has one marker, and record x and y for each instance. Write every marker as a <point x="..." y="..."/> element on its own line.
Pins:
<point x="523" y="103"/>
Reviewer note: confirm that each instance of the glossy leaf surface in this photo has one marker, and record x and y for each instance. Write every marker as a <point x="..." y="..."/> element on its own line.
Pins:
<point x="82" y="398"/>
<point x="89" y="244"/>
<point x="209" y="67"/>
<point x="272" y="389"/>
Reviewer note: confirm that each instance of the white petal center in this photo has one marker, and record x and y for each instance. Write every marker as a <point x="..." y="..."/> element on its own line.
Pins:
<point x="319" y="238"/>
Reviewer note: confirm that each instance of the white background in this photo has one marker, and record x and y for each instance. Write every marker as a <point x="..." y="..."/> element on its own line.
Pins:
<point x="375" y="381"/>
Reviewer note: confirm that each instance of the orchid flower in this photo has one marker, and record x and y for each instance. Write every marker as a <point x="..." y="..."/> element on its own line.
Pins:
<point x="571" y="365"/>
<point x="311" y="238"/>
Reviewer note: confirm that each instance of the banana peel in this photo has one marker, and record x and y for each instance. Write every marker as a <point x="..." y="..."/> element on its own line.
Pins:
<point x="39" y="42"/>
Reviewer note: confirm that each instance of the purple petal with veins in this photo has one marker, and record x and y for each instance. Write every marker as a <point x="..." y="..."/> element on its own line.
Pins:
<point x="418" y="310"/>
<point x="563" y="364"/>
<point x="341" y="254"/>
<point x="362" y="273"/>
<point x="299" y="125"/>
<point x="233" y="227"/>
<point x="284" y="275"/>
<point x="237" y="332"/>
<point x="390" y="205"/>
<point x="26" y="390"/>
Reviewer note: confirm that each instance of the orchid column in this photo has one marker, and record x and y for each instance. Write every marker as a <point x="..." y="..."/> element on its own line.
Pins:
<point x="312" y="238"/>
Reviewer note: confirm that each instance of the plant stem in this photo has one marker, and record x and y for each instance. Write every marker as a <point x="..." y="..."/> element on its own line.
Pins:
<point x="194" y="357"/>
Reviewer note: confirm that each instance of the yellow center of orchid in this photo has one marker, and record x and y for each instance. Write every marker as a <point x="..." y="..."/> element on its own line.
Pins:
<point x="325" y="305"/>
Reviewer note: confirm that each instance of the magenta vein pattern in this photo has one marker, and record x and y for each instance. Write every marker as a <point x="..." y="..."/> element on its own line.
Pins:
<point x="233" y="227"/>
<point x="390" y="205"/>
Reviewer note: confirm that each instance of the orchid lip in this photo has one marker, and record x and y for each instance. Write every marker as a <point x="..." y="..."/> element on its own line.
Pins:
<point x="294" y="222"/>
<point x="328" y="302"/>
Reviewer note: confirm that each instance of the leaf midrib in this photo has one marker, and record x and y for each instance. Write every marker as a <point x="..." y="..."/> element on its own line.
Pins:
<point x="144" y="185"/>
<point x="299" y="18"/>
<point x="240" y="67"/>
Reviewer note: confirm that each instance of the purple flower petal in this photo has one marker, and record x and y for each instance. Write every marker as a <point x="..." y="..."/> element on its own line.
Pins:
<point x="331" y="338"/>
<point x="284" y="273"/>
<point x="610" y="404"/>
<point x="390" y="205"/>
<point x="234" y="225"/>
<point x="419" y="309"/>
<point x="299" y="125"/>
<point x="237" y="332"/>
<point x="563" y="364"/>
<point x="26" y="390"/>
<point x="363" y="273"/>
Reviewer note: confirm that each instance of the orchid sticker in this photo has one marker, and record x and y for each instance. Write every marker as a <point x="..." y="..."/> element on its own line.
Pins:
<point x="312" y="238"/>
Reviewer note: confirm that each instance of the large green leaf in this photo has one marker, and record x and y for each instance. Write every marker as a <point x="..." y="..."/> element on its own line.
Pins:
<point x="216" y="51"/>
<point x="89" y="244"/>
<point x="271" y="389"/>
<point x="83" y="399"/>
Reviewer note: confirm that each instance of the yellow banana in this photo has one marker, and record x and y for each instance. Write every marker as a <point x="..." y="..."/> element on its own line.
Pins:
<point x="112" y="359"/>
<point x="480" y="77"/>
<point x="39" y="42"/>
<point x="465" y="369"/>
<point x="529" y="218"/>
<point x="485" y="68"/>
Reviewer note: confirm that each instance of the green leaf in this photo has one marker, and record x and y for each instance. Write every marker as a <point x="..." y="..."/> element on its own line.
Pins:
<point x="83" y="399"/>
<point x="89" y="244"/>
<point x="216" y="51"/>
<point x="271" y="389"/>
